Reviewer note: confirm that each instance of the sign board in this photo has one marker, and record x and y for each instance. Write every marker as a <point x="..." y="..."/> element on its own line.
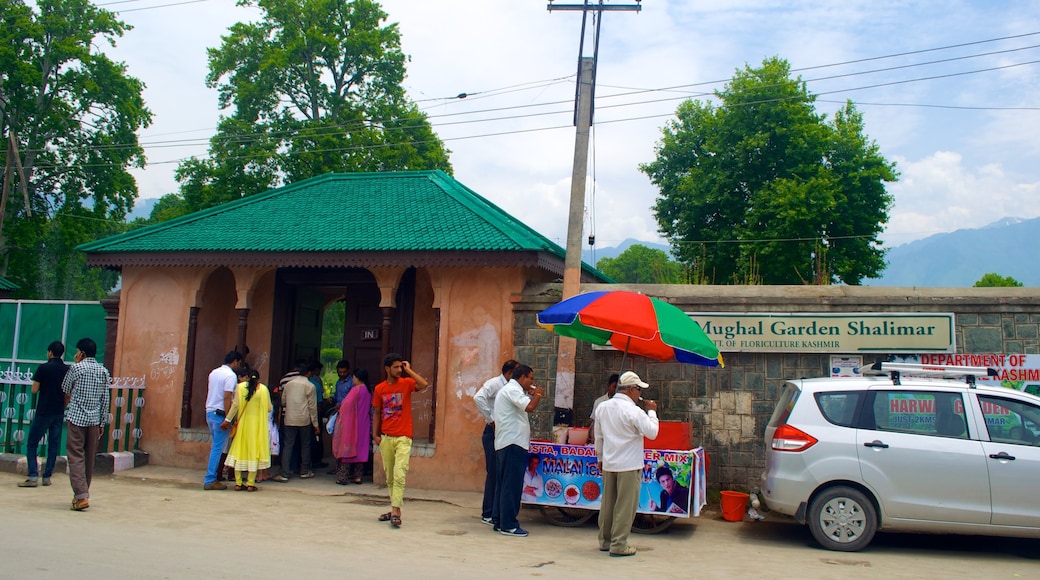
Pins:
<point x="887" y="332"/>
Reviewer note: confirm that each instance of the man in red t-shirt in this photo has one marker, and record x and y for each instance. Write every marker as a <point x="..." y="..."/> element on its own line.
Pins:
<point x="392" y="427"/>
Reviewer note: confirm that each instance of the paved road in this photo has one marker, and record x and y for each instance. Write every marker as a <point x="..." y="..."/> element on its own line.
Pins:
<point x="158" y="523"/>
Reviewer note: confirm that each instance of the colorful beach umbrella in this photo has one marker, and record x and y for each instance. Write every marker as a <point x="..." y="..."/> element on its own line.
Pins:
<point x="633" y="323"/>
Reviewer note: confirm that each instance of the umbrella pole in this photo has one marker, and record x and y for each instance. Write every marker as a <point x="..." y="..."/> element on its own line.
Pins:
<point x="625" y="355"/>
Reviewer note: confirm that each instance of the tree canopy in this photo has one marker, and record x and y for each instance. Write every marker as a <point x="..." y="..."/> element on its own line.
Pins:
<point x="762" y="189"/>
<point x="68" y="117"/>
<point x="313" y="87"/>
<point x="642" y="265"/>
<point x="994" y="280"/>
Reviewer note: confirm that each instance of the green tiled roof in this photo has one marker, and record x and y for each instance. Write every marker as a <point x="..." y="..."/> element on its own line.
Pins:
<point x="396" y="211"/>
<point x="8" y="285"/>
<point x="406" y="211"/>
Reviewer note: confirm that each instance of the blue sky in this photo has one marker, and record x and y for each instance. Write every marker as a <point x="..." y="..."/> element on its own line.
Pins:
<point x="962" y="131"/>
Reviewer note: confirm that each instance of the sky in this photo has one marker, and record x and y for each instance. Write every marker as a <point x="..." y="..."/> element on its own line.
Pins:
<point x="948" y="91"/>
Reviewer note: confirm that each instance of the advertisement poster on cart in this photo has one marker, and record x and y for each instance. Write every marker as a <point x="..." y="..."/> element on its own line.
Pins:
<point x="567" y="476"/>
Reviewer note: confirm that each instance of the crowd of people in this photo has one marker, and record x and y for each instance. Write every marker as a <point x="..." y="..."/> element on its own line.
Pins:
<point x="250" y="424"/>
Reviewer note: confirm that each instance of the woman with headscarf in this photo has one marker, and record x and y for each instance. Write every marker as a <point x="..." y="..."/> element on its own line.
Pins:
<point x="251" y="448"/>
<point x="351" y="438"/>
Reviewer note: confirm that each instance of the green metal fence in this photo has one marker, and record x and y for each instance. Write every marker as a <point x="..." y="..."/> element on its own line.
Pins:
<point x="26" y="328"/>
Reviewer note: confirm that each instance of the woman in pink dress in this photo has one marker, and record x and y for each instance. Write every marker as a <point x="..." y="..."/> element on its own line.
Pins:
<point x="351" y="437"/>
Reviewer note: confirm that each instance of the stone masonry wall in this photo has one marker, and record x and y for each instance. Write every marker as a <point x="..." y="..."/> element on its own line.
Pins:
<point x="729" y="408"/>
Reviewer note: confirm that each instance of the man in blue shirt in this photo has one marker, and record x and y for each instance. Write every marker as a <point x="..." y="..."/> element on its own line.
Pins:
<point x="344" y="383"/>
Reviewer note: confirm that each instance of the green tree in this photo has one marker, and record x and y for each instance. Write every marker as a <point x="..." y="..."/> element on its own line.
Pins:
<point x="994" y="280"/>
<point x="313" y="87"/>
<point x="642" y="265"/>
<point x="763" y="189"/>
<point x="72" y="114"/>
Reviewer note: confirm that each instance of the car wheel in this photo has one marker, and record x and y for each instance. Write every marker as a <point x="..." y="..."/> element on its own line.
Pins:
<point x="842" y="519"/>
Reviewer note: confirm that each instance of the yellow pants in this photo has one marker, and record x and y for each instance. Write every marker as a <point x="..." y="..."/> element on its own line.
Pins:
<point x="395" y="452"/>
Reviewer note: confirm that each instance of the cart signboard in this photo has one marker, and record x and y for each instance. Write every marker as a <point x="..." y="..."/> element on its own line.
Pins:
<point x="673" y="482"/>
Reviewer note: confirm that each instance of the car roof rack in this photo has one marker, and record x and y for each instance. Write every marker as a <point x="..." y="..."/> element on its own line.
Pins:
<point x="894" y="369"/>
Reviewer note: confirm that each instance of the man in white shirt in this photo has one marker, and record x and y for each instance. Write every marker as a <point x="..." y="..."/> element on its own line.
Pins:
<point x="512" y="441"/>
<point x="620" y="428"/>
<point x="222" y="381"/>
<point x="485" y="402"/>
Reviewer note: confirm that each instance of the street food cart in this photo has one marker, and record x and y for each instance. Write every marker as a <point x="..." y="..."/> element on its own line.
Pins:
<point x="566" y="485"/>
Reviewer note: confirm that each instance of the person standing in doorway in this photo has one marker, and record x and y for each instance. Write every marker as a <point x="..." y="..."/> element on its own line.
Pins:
<point x="515" y="400"/>
<point x="300" y="415"/>
<point x="392" y="427"/>
<point x="49" y="416"/>
<point x="87" y="403"/>
<point x="620" y="428"/>
<point x="222" y="381"/>
<point x="485" y="402"/>
<point x="344" y="381"/>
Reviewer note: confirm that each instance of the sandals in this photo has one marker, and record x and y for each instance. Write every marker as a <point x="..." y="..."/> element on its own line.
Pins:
<point x="356" y="480"/>
<point x="240" y="488"/>
<point x="395" y="521"/>
<point x="252" y="488"/>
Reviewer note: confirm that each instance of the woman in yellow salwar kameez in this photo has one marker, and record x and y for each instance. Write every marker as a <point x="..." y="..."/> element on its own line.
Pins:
<point x="251" y="448"/>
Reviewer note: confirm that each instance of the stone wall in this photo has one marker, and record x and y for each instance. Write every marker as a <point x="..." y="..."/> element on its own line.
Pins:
<point x="728" y="408"/>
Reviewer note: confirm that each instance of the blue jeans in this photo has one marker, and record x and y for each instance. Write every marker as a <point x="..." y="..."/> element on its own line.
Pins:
<point x="490" y="464"/>
<point x="220" y="438"/>
<point x="51" y="425"/>
<point x="512" y="460"/>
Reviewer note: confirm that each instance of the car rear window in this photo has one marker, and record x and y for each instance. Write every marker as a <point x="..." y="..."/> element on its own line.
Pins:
<point x="840" y="408"/>
<point x="784" y="405"/>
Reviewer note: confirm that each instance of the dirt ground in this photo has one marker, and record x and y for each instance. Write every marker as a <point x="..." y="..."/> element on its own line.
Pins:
<point x="154" y="522"/>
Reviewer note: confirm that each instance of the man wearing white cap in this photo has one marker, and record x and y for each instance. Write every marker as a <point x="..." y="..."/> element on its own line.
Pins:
<point x="620" y="427"/>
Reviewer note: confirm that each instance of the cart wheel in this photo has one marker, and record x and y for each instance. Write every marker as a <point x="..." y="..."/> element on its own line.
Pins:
<point x="651" y="523"/>
<point x="566" y="517"/>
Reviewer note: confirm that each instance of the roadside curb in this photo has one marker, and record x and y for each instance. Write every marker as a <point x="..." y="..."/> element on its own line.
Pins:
<point x="104" y="463"/>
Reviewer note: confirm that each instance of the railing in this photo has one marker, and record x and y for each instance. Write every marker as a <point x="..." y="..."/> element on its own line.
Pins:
<point x="18" y="406"/>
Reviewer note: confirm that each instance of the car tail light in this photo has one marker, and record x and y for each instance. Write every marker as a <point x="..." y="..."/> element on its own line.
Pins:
<point x="788" y="438"/>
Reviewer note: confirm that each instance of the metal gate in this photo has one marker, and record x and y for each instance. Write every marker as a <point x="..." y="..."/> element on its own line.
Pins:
<point x="26" y="328"/>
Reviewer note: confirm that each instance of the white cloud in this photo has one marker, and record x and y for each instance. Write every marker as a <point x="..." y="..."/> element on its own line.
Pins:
<point x="960" y="167"/>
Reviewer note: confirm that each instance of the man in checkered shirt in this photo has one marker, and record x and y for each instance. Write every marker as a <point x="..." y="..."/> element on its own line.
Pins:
<point x="86" y="412"/>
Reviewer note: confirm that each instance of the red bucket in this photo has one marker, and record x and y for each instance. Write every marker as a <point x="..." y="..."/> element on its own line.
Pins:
<point x="733" y="505"/>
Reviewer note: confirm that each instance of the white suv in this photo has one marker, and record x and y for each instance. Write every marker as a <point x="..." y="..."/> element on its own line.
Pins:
<point x="906" y="448"/>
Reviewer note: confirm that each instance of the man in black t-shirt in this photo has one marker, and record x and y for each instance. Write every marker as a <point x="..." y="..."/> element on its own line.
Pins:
<point x="49" y="416"/>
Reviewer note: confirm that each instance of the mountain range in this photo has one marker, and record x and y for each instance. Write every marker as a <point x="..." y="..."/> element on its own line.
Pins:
<point x="953" y="259"/>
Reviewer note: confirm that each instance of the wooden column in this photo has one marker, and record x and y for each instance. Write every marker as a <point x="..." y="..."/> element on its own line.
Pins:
<point x="189" y="367"/>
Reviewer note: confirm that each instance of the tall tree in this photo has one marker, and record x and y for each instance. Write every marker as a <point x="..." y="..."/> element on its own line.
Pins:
<point x="763" y="189"/>
<point x="642" y="265"/>
<point x="71" y="115"/>
<point x="313" y="87"/>
<point x="994" y="280"/>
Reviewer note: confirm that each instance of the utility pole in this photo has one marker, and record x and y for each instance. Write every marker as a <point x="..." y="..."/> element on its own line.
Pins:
<point x="584" y="107"/>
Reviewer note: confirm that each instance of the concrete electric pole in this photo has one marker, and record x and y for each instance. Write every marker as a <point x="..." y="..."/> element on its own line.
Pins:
<point x="584" y="108"/>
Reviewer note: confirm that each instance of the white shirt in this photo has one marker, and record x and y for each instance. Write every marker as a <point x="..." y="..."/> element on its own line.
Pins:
<point x="599" y="401"/>
<point x="485" y="397"/>
<point x="620" y="428"/>
<point x="510" y="415"/>
<point x="221" y="380"/>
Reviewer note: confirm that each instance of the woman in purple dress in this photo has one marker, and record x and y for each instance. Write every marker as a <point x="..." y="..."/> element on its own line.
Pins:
<point x="351" y="438"/>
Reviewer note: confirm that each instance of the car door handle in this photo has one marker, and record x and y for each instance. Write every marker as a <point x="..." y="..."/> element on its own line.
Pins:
<point x="876" y="443"/>
<point x="1002" y="455"/>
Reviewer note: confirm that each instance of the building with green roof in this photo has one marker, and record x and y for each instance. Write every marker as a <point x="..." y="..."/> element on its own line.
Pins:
<point x="424" y="265"/>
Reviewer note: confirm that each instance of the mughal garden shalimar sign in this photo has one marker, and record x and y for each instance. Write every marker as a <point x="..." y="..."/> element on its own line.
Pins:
<point x="829" y="332"/>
